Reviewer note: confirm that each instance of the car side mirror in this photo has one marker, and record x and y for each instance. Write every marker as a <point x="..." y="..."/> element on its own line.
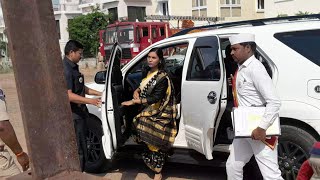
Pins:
<point x="100" y="77"/>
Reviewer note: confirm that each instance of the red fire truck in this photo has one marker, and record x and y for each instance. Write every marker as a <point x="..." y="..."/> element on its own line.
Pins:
<point x="133" y="37"/>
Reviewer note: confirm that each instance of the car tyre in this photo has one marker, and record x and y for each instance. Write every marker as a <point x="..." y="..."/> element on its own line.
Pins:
<point x="97" y="162"/>
<point x="293" y="149"/>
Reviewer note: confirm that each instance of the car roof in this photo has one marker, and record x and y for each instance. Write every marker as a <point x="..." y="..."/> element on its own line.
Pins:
<point x="262" y="30"/>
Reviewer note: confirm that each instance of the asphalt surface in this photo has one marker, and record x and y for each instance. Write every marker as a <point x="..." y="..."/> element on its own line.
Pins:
<point x="129" y="169"/>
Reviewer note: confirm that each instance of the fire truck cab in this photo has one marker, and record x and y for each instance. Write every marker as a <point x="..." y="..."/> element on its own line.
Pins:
<point x="133" y="37"/>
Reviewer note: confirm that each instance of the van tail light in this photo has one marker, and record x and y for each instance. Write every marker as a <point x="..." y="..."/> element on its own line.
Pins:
<point x="135" y="47"/>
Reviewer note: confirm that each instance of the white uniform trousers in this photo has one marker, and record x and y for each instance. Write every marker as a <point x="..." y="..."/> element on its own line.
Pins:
<point x="242" y="150"/>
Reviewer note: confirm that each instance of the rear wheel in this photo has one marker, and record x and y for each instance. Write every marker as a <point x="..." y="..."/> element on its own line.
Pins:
<point x="293" y="149"/>
<point x="97" y="162"/>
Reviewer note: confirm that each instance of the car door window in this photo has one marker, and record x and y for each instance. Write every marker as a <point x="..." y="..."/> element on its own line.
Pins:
<point x="174" y="56"/>
<point x="204" y="65"/>
<point x="305" y="43"/>
<point x="264" y="61"/>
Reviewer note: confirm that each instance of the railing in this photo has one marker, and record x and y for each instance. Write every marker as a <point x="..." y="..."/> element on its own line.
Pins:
<point x="107" y="1"/>
<point x="86" y="1"/>
<point x="66" y="7"/>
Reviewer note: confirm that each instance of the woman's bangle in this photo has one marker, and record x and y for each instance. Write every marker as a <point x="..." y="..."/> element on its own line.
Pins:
<point x="20" y="154"/>
<point x="133" y="101"/>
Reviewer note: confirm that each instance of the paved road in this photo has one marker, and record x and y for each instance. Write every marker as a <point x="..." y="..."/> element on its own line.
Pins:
<point x="135" y="169"/>
<point x="125" y="168"/>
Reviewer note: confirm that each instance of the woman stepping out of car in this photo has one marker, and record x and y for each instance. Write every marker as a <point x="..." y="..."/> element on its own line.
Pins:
<point x="155" y="125"/>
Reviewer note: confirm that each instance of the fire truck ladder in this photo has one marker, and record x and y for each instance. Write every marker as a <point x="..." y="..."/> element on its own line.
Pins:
<point x="193" y="18"/>
<point x="255" y="22"/>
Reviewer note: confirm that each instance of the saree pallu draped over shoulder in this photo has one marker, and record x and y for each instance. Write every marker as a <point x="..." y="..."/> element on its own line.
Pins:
<point x="156" y="123"/>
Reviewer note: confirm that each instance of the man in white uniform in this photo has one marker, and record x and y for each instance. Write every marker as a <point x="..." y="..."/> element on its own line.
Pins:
<point x="8" y="137"/>
<point x="253" y="88"/>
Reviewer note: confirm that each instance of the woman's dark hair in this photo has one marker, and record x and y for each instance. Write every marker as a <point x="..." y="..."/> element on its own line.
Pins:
<point x="162" y="63"/>
<point x="72" y="45"/>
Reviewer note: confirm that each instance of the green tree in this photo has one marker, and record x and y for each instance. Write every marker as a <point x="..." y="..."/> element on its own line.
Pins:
<point x="85" y="29"/>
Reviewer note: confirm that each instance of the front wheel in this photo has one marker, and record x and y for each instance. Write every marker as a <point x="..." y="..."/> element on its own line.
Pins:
<point x="97" y="162"/>
<point x="293" y="149"/>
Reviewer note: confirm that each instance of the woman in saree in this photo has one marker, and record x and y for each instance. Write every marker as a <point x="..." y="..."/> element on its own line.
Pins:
<point x="155" y="125"/>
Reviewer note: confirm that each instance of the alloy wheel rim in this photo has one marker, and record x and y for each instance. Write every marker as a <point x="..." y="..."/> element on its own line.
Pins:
<point x="93" y="147"/>
<point x="290" y="157"/>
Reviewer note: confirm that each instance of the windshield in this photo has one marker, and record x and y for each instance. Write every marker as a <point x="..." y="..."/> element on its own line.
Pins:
<point x="123" y="34"/>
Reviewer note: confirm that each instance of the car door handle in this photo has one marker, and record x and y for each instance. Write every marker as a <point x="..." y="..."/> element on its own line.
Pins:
<point x="212" y="97"/>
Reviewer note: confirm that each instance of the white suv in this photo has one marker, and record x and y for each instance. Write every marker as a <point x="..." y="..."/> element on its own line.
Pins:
<point x="288" y="48"/>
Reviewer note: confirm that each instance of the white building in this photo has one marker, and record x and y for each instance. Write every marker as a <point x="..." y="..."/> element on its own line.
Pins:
<point x="63" y="11"/>
<point x="130" y="10"/>
<point x="4" y="59"/>
<point x="273" y="8"/>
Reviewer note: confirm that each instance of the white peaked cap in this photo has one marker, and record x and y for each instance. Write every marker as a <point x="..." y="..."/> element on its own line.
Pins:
<point x="241" y="38"/>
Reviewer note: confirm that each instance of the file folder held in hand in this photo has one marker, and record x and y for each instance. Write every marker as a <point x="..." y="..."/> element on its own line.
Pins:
<point x="246" y="119"/>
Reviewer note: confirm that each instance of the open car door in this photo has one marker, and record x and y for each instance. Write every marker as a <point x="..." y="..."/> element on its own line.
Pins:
<point x="201" y="92"/>
<point x="111" y="109"/>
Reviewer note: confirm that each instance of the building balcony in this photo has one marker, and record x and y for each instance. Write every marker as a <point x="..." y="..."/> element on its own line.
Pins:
<point x="70" y="8"/>
<point x="136" y="0"/>
<point x="87" y="3"/>
<point x="108" y="1"/>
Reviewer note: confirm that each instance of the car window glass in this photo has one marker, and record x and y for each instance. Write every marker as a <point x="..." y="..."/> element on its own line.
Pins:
<point x="145" y="31"/>
<point x="174" y="56"/>
<point x="162" y="31"/>
<point x="306" y="43"/>
<point x="264" y="61"/>
<point x="204" y="65"/>
<point x="154" y="33"/>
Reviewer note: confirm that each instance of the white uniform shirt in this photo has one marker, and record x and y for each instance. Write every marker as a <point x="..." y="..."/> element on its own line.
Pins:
<point x="255" y="88"/>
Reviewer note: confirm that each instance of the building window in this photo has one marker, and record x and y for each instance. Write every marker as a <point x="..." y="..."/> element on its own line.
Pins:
<point x="55" y="5"/>
<point x="199" y="8"/>
<point x="260" y="4"/>
<point x="164" y="8"/>
<point x="136" y="13"/>
<point x="58" y="28"/>
<point x="230" y="8"/>
<point x="114" y="14"/>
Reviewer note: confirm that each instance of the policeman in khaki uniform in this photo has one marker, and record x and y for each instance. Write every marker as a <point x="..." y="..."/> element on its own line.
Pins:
<point x="76" y="93"/>
<point x="253" y="87"/>
<point x="8" y="137"/>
